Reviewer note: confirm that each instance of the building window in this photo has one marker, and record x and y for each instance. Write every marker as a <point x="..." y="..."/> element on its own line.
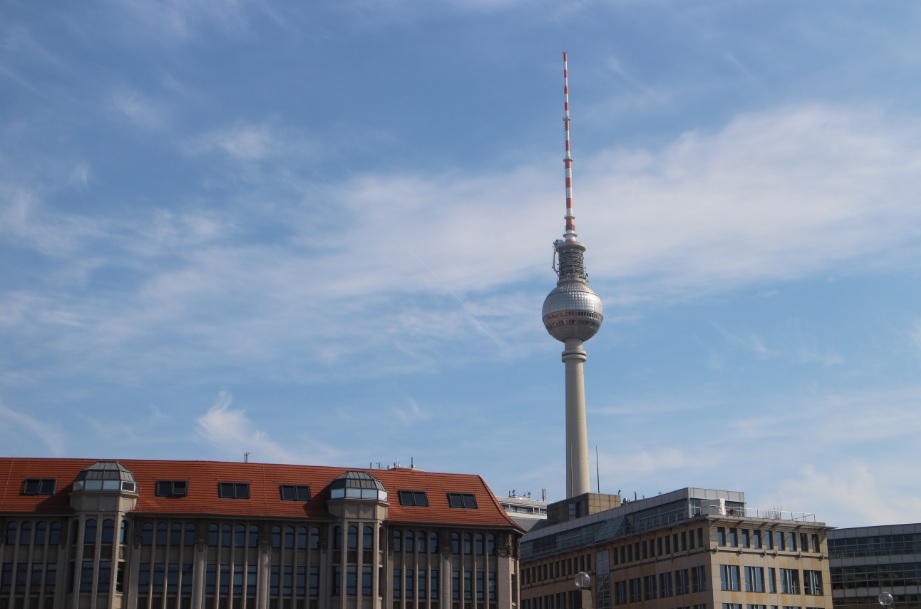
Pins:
<point x="789" y="581"/>
<point x="410" y="542"/>
<point x="772" y="580"/>
<point x="397" y="540"/>
<point x="729" y="577"/>
<point x="734" y="538"/>
<point x="754" y="579"/>
<point x="351" y="580"/>
<point x="756" y="539"/>
<point x="233" y="490"/>
<point x="89" y="534"/>
<point x="682" y="585"/>
<point x="414" y="498"/>
<point x="38" y="486"/>
<point x="620" y="593"/>
<point x="720" y="536"/>
<point x="812" y="583"/>
<point x="665" y="584"/>
<point x="294" y="492"/>
<point x="462" y="500"/>
<point x="172" y="488"/>
<point x="746" y="538"/>
<point x="351" y="538"/>
<point x="636" y="591"/>
<point x="698" y="579"/>
<point x="649" y="587"/>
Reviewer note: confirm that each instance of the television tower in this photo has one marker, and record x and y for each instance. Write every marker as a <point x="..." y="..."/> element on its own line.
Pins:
<point x="572" y="314"/>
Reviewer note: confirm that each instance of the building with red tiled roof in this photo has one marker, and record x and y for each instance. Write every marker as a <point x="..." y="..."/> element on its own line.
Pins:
<point x="87" y="534"/>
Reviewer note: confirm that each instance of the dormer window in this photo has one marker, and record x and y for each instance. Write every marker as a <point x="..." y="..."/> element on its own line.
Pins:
<point x="413" y="498"/>
<point x="462" y="500"/>
<point x="294" y="492"/>
<point x="172" y="488"/>
<point x="38" y="486"/>
<point x="233" y="490"/>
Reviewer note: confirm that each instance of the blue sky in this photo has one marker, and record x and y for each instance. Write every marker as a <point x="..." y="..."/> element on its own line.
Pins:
<point x="321" y="233"/>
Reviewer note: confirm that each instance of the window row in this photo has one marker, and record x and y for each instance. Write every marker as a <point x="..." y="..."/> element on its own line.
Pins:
<point x="659" y="546"/>
<point x="879" y="545"/>
<point x="419" y="583"/>
<point x="789" y="580"/>
<point x="549" y="571"/>
<point x="28" y="532"/>
<point x="872" y="576"/>
<point x="169" y="579"/>
<point x="661" y="585"/>
<point x="228" y="535"/>
<point x="480" y="585"/>
<point x="769" y="540"/>
<point x="175" y="579"/>
<point x="39" y="578"/>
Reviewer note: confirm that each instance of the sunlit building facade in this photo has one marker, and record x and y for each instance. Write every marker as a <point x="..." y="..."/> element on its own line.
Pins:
<point x="80" y="534"/>
<point x="688" y="549"/>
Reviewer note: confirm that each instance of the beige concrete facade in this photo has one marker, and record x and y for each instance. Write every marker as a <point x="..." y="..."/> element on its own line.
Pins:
<point x="664" y="555"/>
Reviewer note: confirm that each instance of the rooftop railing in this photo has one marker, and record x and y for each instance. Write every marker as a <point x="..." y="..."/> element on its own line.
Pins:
<point x="767" y="514"/>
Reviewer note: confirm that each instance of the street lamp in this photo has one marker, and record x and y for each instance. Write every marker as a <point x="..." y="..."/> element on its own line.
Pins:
<point x="885" y="599"/>
<point x="584" y="584"/>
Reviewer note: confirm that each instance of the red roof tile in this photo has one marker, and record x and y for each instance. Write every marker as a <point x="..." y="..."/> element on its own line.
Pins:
<point x="264" y="480"/>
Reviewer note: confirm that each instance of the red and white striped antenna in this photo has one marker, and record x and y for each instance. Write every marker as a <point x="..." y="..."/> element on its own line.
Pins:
<point x="570" y="216"/>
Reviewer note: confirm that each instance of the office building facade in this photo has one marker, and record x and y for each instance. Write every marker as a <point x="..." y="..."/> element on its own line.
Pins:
<point x="80" y="534"/>
<point x="869" y="561"/>
<point x="688" y="549"/>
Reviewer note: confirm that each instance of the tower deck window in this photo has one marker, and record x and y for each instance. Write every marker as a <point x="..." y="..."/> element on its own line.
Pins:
<point x="38" y="486"/>
<point x="233" y="490"/>
<point x="414" y="498"/>
<point x="462" y="500"/>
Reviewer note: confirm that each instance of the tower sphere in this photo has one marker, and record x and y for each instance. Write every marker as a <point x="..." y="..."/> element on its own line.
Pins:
<point x="572" y="310"/>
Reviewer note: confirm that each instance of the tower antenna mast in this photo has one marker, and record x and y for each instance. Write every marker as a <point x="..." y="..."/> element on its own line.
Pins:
<point x="570" y="234"/>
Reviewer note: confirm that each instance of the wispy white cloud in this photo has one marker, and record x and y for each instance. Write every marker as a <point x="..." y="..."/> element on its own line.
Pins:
<point x="140" y="109"/>
<point x="411" y="412"/>
<point x="13" y="422"/>
<point x="81" y="174"/>
<point x="853" y="491"/>
<point x="777" y="195"/>
<point x="232" y="433"/>
<point x="247" y="142"/>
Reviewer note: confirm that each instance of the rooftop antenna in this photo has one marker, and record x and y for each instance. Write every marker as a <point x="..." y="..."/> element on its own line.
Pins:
<point x="597" y="470"/>
<point x="246" y="457"/>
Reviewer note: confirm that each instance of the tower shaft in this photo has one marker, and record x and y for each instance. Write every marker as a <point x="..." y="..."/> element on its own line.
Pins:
<point x="577" y="473"/>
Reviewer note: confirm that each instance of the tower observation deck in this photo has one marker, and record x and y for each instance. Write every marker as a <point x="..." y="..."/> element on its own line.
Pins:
<point x="572" y="314"/>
